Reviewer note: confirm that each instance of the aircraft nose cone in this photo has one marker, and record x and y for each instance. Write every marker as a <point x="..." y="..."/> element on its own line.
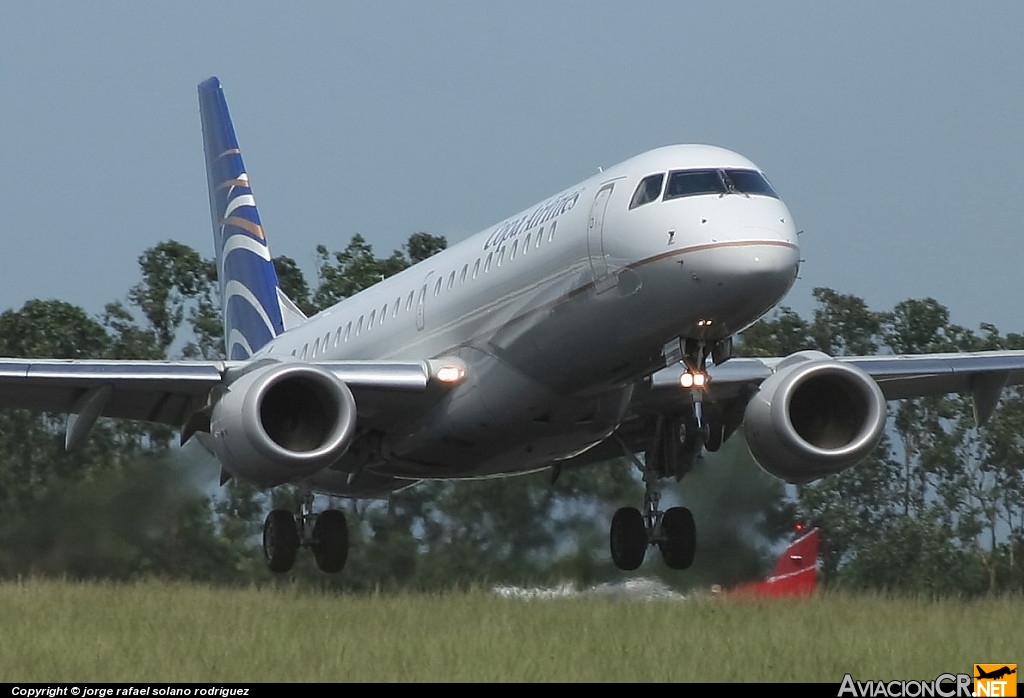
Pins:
<point x="775" y="260"/>
<point x="738" y="281"/>
<point x="771" y="268"/>
<point x="750" y="262"/>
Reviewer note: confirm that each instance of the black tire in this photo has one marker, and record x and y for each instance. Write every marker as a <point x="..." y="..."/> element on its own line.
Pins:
<point x="714" y="428"/>
<point x="678" y="538"/>
<point x="691" y="442"/>
<point x="714" y="436"/>
<point x="280" y="540"/>
<point x="628" y="538"/>
<point x="330" y="541"/>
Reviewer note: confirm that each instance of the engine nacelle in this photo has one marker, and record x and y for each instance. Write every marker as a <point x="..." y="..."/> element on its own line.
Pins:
<point x="283" y="422"/>
<point x="814" y="417"/>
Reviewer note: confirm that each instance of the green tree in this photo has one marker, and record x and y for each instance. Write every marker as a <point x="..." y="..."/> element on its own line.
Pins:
<point x="783" y="334"/>
<point x="293" y="283"/>
<point x="175" y="278"/>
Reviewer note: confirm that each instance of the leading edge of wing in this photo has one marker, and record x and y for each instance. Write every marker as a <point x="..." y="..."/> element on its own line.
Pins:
<point x="917" y="375"/>
<point x="167" y="392"/>
<point x="154" y="391"/>
<point x="982" y="375"/>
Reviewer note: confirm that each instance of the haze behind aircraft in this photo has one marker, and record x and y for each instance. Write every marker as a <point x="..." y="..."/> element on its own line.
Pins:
<point x="596" y="323"/>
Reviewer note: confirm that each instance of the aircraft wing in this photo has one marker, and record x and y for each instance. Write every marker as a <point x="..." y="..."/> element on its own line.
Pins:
<point x="807" y="415"/>
<point x="152" y="391"/>
<point x="170" y="392"/>
<point x="980" y="374"/>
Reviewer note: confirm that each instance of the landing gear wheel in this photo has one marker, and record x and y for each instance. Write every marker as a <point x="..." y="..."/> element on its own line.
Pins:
<point x="690" y="442"/>
<point x="678" y="538"/>
<point x="713" y="436"/>
<point x="714" y="429"/>
<point x="280" y="540"/>
<point x="628" y="538"/>
<point x="330" y="541"/>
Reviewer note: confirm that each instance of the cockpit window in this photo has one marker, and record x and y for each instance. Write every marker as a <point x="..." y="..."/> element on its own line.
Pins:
<point x="648" y="190"/>
<point x="695" y="182"/>
<point x="750" y="182"/>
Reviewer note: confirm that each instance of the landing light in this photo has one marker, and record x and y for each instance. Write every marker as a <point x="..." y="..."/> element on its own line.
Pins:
<point x="693" y="379"/>
<point x="451" y="374"/>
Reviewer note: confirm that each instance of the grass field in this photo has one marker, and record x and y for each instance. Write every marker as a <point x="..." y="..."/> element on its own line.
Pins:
<point x="155" y="631"/>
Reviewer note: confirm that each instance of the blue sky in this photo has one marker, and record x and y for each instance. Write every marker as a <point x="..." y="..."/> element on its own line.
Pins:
<point x="892" y="129"/>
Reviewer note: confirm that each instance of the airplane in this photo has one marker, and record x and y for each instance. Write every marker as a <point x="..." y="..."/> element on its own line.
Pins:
<point x="596" y="324"/>
<point x="995" y="673"/>
<point x="795" y="573"/>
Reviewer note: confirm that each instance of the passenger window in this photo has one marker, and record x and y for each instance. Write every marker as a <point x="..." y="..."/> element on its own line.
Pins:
<point x="540" y="236"/>
<point x="369" y="323"/>
<point x="487" y="264"/>
<point x="305" y="348"/>
<point x="451" y="280"/>
<point x="648" y="190"/>
<point x="512" y="254"/>
<point x="337" y="336"/>
<point x="501" y="256"/>
<point x="526" y="245"/>
<point x="408" y="302"/>
<point x="398" y="305"/>
<point x="551" y="235"/>
<point x="327" y="341"/>
<point x="383" y="313"/>
<point x="359" y="326"/>
<point x="462" y="276"/>
<point x="348" y="330"/>
<point x="476" y="267"/>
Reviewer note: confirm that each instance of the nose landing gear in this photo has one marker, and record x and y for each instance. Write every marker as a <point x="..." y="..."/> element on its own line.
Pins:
<point x="677" y="441"/>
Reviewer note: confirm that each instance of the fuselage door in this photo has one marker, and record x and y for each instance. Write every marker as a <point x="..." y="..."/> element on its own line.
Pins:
<point x="421" y="301"/>
<point x="595" y="240"/>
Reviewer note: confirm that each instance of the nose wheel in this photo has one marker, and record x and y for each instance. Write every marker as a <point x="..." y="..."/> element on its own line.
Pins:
<point x="672" y="451"/>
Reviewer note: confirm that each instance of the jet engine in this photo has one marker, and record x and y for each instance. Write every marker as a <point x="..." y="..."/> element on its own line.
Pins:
<point x="282" y="422"/>
<point x="814" y="417"/>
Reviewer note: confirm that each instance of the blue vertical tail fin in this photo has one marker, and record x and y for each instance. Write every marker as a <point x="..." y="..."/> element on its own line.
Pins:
<point x="251" y="300"/>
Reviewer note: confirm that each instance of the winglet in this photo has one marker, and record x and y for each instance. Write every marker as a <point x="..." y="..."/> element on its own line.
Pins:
<point x="248" y="283"/>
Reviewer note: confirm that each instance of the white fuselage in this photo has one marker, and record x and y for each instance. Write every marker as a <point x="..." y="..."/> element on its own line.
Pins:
<point x="560" y="309"/>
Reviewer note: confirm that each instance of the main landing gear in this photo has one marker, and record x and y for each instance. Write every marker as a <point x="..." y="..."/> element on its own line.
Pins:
<point x="677" y="441"/>
<point x="326" y="533"/>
